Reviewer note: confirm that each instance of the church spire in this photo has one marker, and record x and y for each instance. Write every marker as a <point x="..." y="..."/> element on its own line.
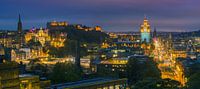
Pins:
<point x="154" y="33"/>
<point x="19" y="18"/>
<point x="19" y="27"/>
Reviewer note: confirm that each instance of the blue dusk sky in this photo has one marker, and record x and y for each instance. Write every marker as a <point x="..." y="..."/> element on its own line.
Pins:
<point x="111" y="15"/>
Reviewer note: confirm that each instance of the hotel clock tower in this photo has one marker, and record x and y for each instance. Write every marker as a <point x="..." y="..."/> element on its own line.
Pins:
<point x="145" y="31"/>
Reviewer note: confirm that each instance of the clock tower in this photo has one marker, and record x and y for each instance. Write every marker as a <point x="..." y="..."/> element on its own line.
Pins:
<point x="145" y="31"/>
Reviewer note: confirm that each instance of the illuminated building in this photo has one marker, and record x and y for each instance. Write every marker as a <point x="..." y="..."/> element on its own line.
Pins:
<point x="29" y="36"/>
<point x="6" y="41"/>
<point x="145" y="31"/>
<point x="58" y="41"/>
<point x="85" y="62"/>
<point x="27" y="52"/>
<point x="2" y="54"/>
<point x="29" y="81"/>
<point x="56" y="25"/>
<point x="104" y="45"/>
<point x="10" y="39"/>
<point x="37" y="34"/>
<point x="179" y="53"/>
<point x="146" y="48"/>
<point x="13" y="55"/>
<point x="38" y="52"/>
<point x="127" y="44"/>
<point x="85" y="28"/>
<point x="9" y="75"/>
<point x="112" y="66"/>
<point x="127" y="38"/>
<point x="43" y="36"/>
<point x="0" y="82"/>
<point x="112" y="35"/>
<point x="98" y="28"/>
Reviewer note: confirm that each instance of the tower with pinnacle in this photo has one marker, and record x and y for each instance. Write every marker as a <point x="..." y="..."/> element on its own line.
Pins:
<point x="19" y="31"/>
<point x="145" y="31"/>
<point x="19" y="26"/>
<point x="154" y="33"/>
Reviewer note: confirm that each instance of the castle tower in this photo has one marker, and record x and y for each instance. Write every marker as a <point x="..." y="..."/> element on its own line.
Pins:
<point x="145" y="31"/>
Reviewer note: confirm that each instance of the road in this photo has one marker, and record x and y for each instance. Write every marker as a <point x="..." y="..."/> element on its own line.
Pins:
<point x="166" y="62"/>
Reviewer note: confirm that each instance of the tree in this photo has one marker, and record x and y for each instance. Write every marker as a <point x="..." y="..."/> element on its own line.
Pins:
<point x="193" y="69"/>
<point x="152" y="83"/>
<point x="69" y="49"/>
<point x="139" y="69"/>
<point x="107" y="72"/>
<point x="194" y="81"/>
<point x="65" y="72"/>
<point x="39" y="69"/>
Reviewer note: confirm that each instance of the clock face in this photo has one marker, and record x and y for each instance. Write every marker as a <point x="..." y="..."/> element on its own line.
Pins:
<point x="145" y="29"/>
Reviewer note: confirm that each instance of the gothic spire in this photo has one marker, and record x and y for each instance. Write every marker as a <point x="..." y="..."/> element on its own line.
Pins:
<point x="154" y="33"/>
<point x="19" y="27"/>
<point x="19" y="18"/>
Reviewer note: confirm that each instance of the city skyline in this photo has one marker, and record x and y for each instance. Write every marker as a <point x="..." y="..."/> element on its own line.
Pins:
<point x="111" y="15"/>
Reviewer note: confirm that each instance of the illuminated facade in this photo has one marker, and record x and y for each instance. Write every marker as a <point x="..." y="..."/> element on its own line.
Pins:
<point x="54" y="25"/>
<point x="59" y="40"/>
<point x="145" y="31"/>
<point x="38" y="34"/>
<point x="84" y="28"/>
<point x="29" y="81"/>
<point x="111" y="66"/>
<point x="9" y="75"/>
<point x="179" y="53"/>
<point x="98" y="28"/>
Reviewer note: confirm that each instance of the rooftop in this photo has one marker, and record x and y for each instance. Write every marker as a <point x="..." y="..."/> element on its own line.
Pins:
<point x="84" y="83"/>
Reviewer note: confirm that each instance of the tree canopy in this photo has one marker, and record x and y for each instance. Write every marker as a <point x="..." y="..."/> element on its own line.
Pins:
<point x="68" y="49"/>
<point x="65" y="72"/>
<point x="152" y="83"/>
<point x="194" y="81"/>
<point x="74" y="36"/>
<point x="138" y="70"/>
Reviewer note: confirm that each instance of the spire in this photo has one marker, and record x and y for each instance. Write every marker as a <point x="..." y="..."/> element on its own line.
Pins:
<point x="155" y="29"/>
<point x="154" y="33"/>
<point x="170" y="35"/>
<point x="145" y="17"/>
<point x="19" y="18"/>
<point x="19" y="27"/>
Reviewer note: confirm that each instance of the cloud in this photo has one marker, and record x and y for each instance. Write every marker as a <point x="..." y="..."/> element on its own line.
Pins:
<point x="112" y="14"/>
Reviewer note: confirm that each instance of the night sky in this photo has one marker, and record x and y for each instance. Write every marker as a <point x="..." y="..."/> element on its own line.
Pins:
<point x="112" y="15"/>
